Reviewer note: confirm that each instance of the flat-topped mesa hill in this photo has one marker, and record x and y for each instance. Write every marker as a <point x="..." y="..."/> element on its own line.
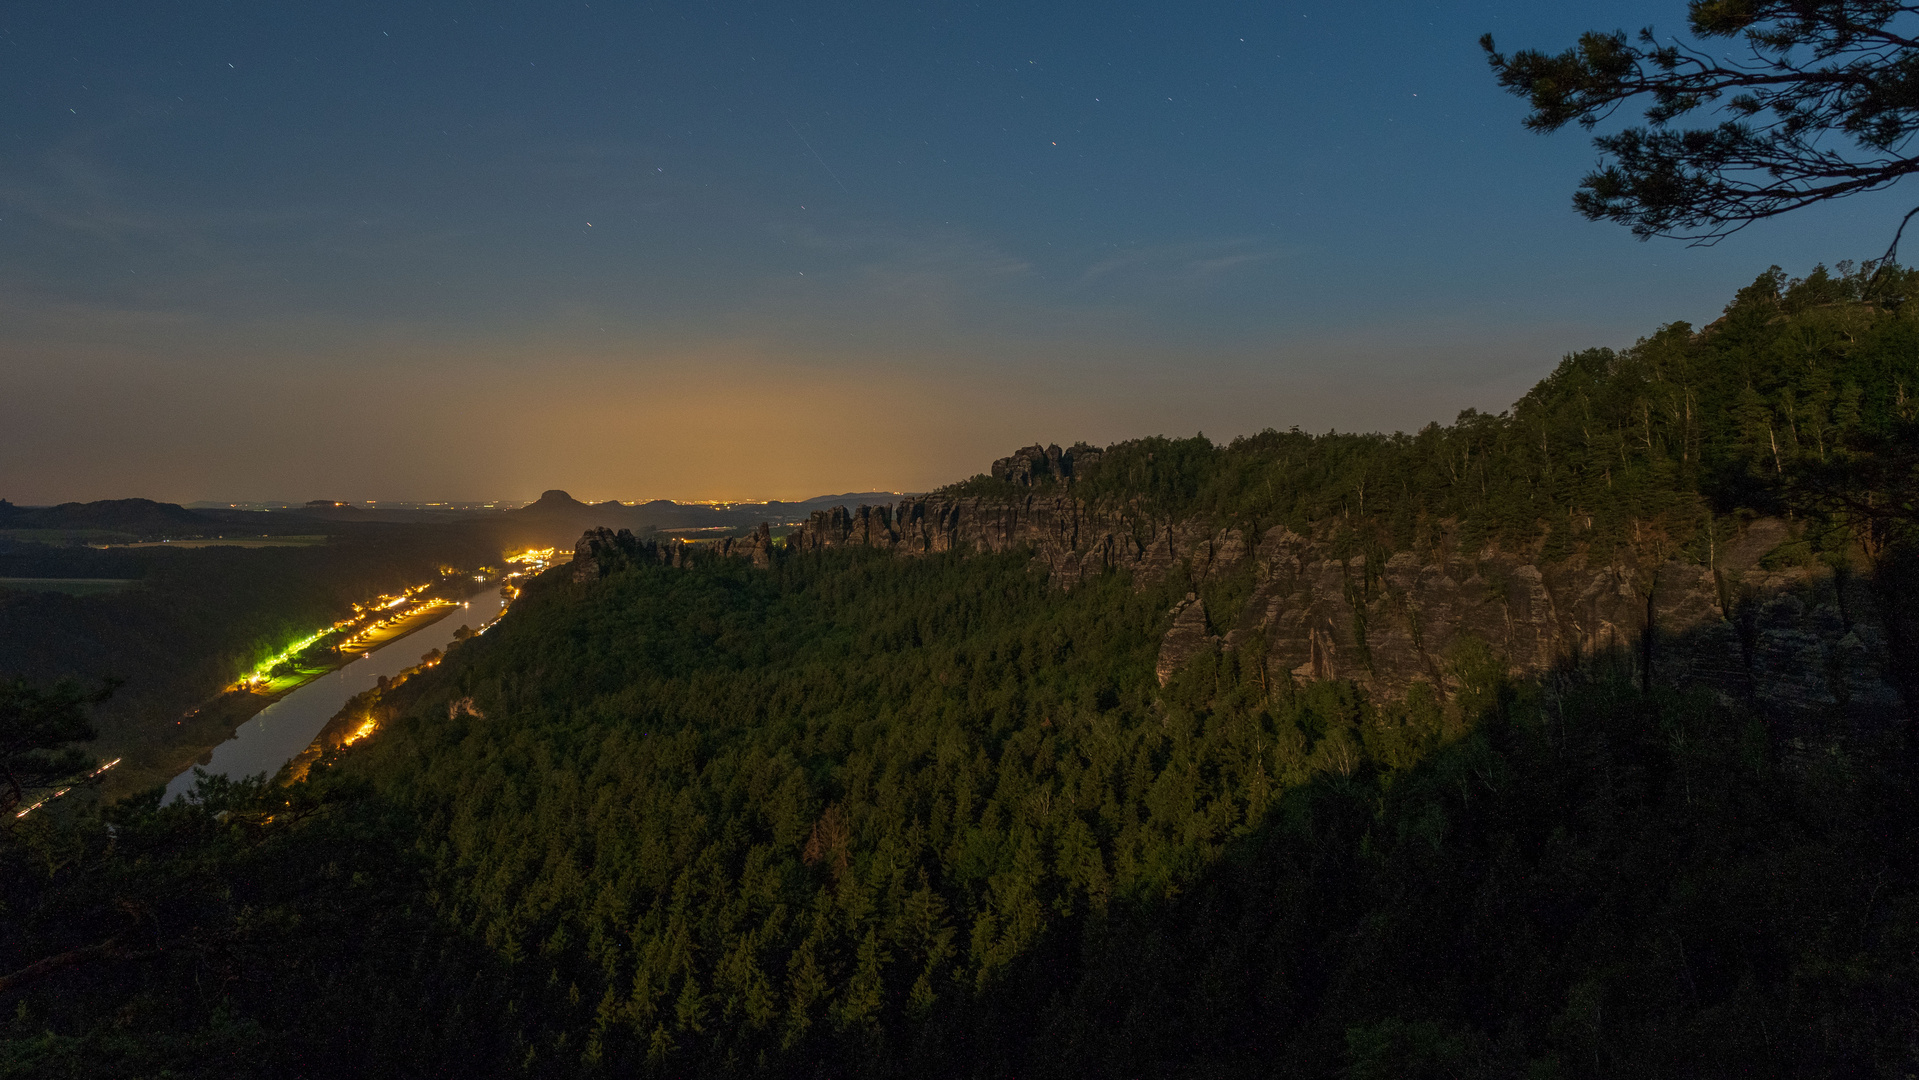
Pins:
<point x="1652" y="503"/>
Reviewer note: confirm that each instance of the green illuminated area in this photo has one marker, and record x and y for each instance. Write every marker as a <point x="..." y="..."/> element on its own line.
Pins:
<point x="383" y="619"/>
<point x="279" y="671"/>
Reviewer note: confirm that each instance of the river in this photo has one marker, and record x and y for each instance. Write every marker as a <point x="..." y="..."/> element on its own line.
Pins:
<point x="278" y="733"/>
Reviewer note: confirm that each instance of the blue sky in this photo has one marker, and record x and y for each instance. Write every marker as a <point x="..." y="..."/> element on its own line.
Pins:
<point x="773" y="250"/>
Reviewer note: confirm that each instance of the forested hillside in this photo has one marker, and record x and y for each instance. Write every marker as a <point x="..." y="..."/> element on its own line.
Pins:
<point x="853" y="813"/>
<point x="1804" y="371"/>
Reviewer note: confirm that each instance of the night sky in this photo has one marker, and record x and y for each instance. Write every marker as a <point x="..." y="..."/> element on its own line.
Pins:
<point x="739" y="250"/>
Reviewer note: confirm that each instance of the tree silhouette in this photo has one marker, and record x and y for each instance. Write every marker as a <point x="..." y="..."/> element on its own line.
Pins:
<point x="36" y="729"/>
<point x="1823" y="104"/>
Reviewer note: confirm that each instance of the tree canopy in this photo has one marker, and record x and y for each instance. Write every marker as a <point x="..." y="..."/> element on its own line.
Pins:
<point x="1819" y="102"/>
<point x="38" y="727"/>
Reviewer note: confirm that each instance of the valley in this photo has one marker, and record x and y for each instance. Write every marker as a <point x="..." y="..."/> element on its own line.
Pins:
<point x="1226" y="747"/>
<point x="1020" y="541"/>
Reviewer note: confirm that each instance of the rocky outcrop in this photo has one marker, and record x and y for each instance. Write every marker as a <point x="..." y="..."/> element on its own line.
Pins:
<point x="603" y="551"/>
<point x="1798" y="637"/>
<point x="1070" y="538"/>
<point x="757" y="548"/>
<point x="1188" y="637"/>
<point x="1793" y="637"/>
<point x="1039" y="464"/>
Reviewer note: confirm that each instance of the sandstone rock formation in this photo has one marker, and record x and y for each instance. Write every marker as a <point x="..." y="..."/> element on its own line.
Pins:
<point x="1187" y="638"/>
<point x="1037" y="464"/>
<point x="757" y="548"/>
<point x="1797" y="637"/>
<point x="1071" y="538"/>
<point x="601" y="551"/>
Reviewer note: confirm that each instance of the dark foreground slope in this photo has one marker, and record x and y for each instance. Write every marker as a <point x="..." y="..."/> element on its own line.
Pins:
<point x="855" y="816"/>
<point x="830" y="811"/>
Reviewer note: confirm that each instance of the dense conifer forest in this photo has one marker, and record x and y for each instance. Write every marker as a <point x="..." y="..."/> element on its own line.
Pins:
<point x="1813" y="370"/>
<point x="855" y="814"/>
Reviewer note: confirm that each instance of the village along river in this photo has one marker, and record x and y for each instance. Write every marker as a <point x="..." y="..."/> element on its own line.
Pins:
<point x="279" y="732"/>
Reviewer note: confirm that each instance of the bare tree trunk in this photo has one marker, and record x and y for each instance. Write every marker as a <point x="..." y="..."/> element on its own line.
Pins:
<point x="106" y="950"/>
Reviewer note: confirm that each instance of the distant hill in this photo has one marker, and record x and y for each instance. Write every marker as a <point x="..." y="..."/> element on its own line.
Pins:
<point x="146" y="519"/>
<point x="556" y="517"/>
<point x="851" y="498"/>
<point x="556" y="508"/>
<point x="133" y="516"/>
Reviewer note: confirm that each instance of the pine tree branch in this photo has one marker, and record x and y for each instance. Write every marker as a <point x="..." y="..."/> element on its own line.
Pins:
<point x="109" y="949"/>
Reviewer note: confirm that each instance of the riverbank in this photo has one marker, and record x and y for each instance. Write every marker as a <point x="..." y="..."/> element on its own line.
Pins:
<point x="358" y="719"/>
<point x="193" y="737"/>
<point x="362" y="714"/>
<point x="265" y="743"/>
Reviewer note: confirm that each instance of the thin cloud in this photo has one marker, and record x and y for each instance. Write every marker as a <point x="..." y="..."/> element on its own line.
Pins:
<point x="1188" y="262"/>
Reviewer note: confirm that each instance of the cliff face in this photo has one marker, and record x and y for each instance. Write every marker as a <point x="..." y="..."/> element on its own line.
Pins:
<point x="1037" y="464"/>
<point x="601" y="551"/>
<point x="1795" y="637"/>
<point x="1071" y="539"/>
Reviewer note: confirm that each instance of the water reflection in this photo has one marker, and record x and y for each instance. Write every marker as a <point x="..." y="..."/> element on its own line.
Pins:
<point x="281" y="730"/>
